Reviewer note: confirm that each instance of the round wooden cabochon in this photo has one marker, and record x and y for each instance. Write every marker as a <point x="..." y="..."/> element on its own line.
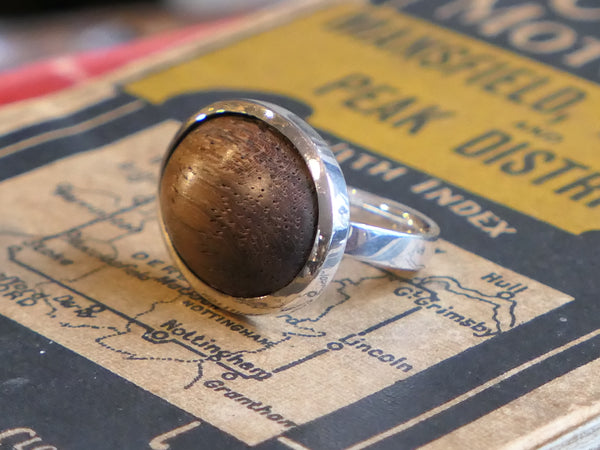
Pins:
<point x="239" y="205"/>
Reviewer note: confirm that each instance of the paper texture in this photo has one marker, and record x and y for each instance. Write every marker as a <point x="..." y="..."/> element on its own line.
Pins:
<point x="378" y="358"/>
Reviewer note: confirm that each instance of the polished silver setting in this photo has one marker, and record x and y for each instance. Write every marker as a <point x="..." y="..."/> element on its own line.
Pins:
<point x="388" y="233"/>
<point x="383" y="232"/>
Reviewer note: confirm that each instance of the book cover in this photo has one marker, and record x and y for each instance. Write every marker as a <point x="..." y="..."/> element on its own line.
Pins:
<point x="481" y="114"/>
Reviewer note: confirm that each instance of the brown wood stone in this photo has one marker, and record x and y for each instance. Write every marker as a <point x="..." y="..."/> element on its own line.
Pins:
<point x="239" y="205"/>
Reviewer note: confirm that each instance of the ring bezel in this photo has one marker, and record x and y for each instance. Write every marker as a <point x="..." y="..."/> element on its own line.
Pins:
<point x="333" y="222"/>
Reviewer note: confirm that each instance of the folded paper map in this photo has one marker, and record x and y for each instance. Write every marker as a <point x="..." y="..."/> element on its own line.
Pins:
<point x="481" y="114"/>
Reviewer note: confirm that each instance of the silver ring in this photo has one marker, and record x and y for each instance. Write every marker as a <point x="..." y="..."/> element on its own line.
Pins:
<point x="382" y="232"/>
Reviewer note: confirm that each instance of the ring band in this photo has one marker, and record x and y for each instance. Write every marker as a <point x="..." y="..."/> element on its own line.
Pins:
<point x="388" y="233"/>
<point x="255" y="211"/>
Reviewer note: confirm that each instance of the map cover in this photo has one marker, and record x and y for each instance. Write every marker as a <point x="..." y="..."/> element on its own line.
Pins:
<point x="482" y="114"/>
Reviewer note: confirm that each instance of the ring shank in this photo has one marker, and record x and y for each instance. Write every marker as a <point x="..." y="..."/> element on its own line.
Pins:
<point x="387" y="233"/>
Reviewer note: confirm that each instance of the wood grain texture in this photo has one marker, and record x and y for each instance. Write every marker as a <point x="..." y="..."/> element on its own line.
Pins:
<point x="239" y="205"/>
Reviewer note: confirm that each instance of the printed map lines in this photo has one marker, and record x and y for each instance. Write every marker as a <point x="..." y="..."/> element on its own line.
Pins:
<point x="12" y="257"/>
<point x="300" y="361"/>
<point x="368" y="330"/>
<point x="148" y="330"/>
<point x="453" y="286"/>
<point x="135" y="204"/>
<point x="389" y="321"/>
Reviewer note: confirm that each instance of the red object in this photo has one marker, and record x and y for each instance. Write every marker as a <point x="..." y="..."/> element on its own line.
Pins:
<point x="52" y="75"/>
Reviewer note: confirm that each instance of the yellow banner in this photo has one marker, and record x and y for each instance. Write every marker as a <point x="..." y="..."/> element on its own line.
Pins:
<point x="499" y="125"/>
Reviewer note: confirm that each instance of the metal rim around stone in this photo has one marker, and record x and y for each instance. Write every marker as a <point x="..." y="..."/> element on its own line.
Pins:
<point x="333" y="222"/>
